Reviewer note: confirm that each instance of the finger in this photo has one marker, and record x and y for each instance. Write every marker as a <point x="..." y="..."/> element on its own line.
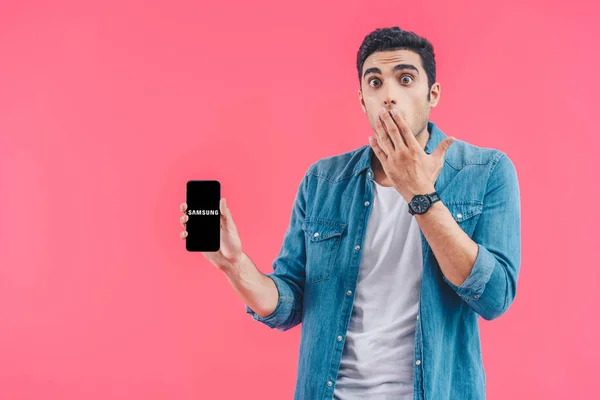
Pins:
<point x="183" y="234"/>
<point x="383" y="140"/>
<point x="404" y="130"/>
<point x="183" y="207"/>
<point x="226" y="218"/>
<point x="443" y="147"/>
<point x="183" y="220"/>
<point x="377" y="150"/>
<point x="392" y="129"/>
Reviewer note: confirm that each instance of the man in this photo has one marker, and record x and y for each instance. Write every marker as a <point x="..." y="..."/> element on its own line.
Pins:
<point x="393" y="250"/>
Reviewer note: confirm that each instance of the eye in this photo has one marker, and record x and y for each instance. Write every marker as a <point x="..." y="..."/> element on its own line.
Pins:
<point x="373" y="79"/>
<point x="406" y="76"/>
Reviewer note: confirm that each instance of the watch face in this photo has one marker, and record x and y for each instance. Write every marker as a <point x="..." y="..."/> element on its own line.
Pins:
<point x="419" y="204"/>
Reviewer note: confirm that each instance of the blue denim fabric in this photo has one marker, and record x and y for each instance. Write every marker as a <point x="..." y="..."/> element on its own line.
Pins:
<point x="317" y="268"/>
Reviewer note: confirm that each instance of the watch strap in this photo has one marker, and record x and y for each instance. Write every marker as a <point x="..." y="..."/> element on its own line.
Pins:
<point x="433" y="197"/>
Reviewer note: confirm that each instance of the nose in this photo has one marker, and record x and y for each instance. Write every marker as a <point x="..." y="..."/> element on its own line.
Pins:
<point x="389" y="103"/>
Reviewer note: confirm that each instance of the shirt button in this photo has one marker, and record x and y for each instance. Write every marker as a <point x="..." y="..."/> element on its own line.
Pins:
<point x="458" y="216"/>
<point x="369" y="174"/>
<point x="476" y="296"/>
<point x="357" y="248"/>
<point x="417" y="317"/>
<point x="367" y="203"/>
<point x="339" y="338"/>
<point x="418" y="362"/>
<point x="349" y="292"/>
<point x="316" y="234"/>
<point x="329" y="383"/>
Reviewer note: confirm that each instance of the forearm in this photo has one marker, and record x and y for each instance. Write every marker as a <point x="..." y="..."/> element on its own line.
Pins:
<point x="483" y="267"/>
<point x="254" y="288"/>
<point x="454" y="250"/>
<point x="468" y="267"/>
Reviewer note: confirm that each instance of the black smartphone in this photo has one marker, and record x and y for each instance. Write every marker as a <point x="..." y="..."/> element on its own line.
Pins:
<point x="204" y="216"/>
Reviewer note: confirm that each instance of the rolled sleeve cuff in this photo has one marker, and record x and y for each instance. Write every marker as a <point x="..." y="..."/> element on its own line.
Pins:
<point x="472" y="288"/>
<point x="284" y="308"/>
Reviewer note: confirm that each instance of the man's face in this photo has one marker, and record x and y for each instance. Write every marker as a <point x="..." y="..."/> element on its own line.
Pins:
<point x="396" y="80"/>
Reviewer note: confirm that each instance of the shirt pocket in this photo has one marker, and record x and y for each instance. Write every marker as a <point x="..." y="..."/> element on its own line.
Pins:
<point x="466" y="214"/>
<point x="323" y="242"/>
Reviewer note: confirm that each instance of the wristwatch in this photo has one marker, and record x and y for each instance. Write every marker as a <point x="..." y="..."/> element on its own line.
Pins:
<point x="420" y="203"/>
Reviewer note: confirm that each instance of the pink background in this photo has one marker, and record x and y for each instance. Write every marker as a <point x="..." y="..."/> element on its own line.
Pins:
<point x="107" y="109"/>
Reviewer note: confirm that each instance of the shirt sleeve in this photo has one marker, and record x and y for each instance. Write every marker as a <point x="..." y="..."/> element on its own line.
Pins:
<point x="491" y="286"/>
<point x="289" y="269"/>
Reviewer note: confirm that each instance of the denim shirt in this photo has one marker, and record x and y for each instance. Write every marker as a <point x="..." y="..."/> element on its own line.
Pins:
<point x="316" y="270"/>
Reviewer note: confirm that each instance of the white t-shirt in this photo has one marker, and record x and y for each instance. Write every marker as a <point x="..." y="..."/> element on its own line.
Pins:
<point x="378" y="357"/>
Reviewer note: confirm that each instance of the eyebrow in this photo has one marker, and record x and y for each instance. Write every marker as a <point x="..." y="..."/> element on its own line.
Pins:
<point x="376" y="70"/>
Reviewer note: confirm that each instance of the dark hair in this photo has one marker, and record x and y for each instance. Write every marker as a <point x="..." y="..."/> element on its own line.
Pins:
<point x="394" y="38"/>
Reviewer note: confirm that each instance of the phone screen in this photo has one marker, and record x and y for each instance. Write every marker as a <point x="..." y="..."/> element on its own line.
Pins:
<point x="204" y="217"/>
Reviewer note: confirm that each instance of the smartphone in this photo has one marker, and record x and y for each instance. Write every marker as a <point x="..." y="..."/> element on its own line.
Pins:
<point x="204" y="219"/>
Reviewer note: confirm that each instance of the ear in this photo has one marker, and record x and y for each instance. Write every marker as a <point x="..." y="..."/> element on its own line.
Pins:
<point x="362" y="102"/>
<point x="435" y="92"/>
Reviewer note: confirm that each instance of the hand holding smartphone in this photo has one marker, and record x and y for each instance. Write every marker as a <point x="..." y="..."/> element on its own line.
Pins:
<point x="210" y="230"/>
<point x="209" y="226"/>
